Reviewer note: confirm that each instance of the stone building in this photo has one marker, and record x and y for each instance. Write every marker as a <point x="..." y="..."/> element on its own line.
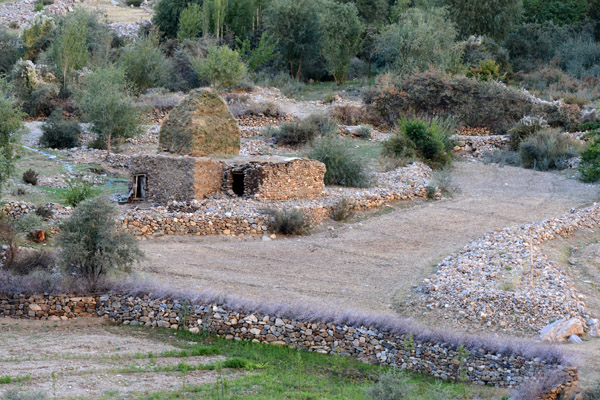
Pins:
<point x="163" y="178"/>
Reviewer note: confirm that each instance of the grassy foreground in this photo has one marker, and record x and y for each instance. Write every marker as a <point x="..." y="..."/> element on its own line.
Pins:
<point x="272" y="372"/>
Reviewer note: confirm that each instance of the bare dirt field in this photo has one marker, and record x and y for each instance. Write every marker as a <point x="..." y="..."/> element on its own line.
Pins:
<point x="370" y="264"/>
<point x="85" y="358"/>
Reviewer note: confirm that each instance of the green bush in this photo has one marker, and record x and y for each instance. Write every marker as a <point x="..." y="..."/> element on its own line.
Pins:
<point x="11" y="121"/>
<point x="364" y="132"/>
<point x="428" y="139"/>
<point x="532" y="45"/>
<point x="42" y="101"/>
<point x="392" y="385"/>
<point x="590" y="159"/>
<point x="525" y="128"/>
<point x="342" y="210"/>
<point x="191" y="22"/>
<point x="547" y="149"/>
<point x="144" y="63"/>
<point x="59" y="133"/>
<point x="344" y="168"/>
<point x="298" y="133"/>
<point x="18" y="395"/>
<point x="135" y="3"/>
<point x="288" y="221"/>
<point x="36" y="37"/>
<point x="30" y="177"/>
<point x="91" y="245"/>
<point x="400" y="147"/>
<point x="222" y="67"/>
<point x="490" y="18"/>
<point x="580" y="56"/>
<point x="11" y="49"/>
<point x="420" y="39"/>
<point x="78" y="191"/>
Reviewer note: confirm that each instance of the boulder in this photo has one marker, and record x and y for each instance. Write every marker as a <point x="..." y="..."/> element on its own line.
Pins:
<point x="561" y="330"/>
<point x="201" y="125"/>
<point x="594" y="327"/>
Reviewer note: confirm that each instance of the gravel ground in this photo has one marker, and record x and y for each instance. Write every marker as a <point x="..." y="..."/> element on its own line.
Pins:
<point x="85" y="355"/>
<point x="367" y="265"/>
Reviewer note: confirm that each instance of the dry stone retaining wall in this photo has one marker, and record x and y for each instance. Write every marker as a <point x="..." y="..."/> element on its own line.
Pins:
<point x="437" y="358"/>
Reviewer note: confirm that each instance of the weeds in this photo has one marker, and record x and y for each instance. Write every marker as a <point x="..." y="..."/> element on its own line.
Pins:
<point x="289" y="221"/>
<point x="344" y="168"/>
<point x="343" y="210"/>
<point x="30" y="177"/>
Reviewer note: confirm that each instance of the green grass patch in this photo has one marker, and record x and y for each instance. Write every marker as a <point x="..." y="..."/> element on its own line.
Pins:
<point x="273" y="372"/>
<point x="324" y="91"/>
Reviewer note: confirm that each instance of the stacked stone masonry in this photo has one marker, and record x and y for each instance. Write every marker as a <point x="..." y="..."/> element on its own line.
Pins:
<point x="365" y="343"/>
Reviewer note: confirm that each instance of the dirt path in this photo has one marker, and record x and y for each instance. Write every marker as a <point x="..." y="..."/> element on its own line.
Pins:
<point x="365" y="265"/>
<point x="85" y="358"/>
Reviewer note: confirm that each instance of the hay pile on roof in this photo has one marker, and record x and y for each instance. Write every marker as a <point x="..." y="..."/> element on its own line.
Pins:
<point x="200" y="125"/>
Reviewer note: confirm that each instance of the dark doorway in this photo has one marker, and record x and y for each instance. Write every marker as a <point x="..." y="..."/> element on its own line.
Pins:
<point x="237" y="185"/>
<point x="139" y="187"/>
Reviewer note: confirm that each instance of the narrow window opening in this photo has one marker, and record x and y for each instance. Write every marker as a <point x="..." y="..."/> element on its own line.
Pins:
<point x="237" y="184"/>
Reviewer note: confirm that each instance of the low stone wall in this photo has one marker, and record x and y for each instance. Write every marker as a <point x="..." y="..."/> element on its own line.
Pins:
<point x="47" y="307"/>
<point x="436" y="357"/>
<point x="479" y="145"/>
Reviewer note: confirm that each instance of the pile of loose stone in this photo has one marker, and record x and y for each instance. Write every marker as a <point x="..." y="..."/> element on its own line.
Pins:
<point x="20" y="13"/>
<point x="17" y="209"/>
<point x="238" y="216"/>
<point x="478" y="146"/>
<point x="490" y="282"/>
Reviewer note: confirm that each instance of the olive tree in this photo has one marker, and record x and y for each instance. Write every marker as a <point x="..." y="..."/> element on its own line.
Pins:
<point x="419" y="40"/>
<point x="492" y="18"/>
<point x="91" y="245"/>
<point x="11" y="121"/>
<point x="340" y="30"/>
<point x="105" y="102"/>
<point x="295" y="25"/>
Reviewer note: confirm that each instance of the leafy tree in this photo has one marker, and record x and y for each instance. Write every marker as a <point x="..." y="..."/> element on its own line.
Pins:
<point x="372" y="11"/>
<point x="69" y="50"/>
<point x="36" y="37"/>
<point x="493" y="18"/>
<point x="222" y="67"/>
<point x="191" y="22"/>
<point x="144" y="63"/>
<point x="295" y="24"/>
<point x="419" y="40"/>
<point x="10" y="123"/>
<point x="11" y="49"/>
<point x="262" y="54"/>
<point x="91" y="244"/>
<point x="560" y="12"/>
<point x="167" y="14"/>
<point x="105" y="103"/>
<point x="340" y="37"/>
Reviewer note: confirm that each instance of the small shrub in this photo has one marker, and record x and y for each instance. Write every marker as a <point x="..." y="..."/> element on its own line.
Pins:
<point x="28" y="223"/>
<point x="18" y="395"/>
<point x="38" y="6"/>
<point x="525" y="128"/>
<point x="58" y="133"/>
<point x="289" y="86"/>
<point x="36" y="37"/>
<point x="135" y="3"/>
<point x="344" y="168"/>
<point x="592" y="393"/>
<point x="392" y="385"/>
<point x="431" y="140"/>
<point x="350" y="115"/>
<point x="293" y="133"/>
<point x="30" y="177"/>
<point x="91" y="245"/>
<point x="78" y="191"/>
<point x="547" y="149"/>
<point x="590" y="159"/>
<point x="364" y="132"/>
<point x="267" y="109"/>
<point x="191" y="22"/>
<point x="11" y="49"/>
<point x="27" y="262"/>
<point x="44" y="212"/>
<point x="235" y="363"/>
<point x="322" y="124"/>
<point x="289" y="221"/>
<point x="442" y="181"/>
<point x="431" y="191"/>
<point x="342" y="210"/>
<point x="400" y="147"/>
<point x="222" y="67"/>
<point x="488" y="70"/>
<point x="42" y="101"/>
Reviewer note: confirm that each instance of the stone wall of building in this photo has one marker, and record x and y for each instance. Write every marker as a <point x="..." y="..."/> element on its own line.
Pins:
<point x="436" y="357"/>
<point x="279" y="180"/>
<point x="176" y="178"/>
